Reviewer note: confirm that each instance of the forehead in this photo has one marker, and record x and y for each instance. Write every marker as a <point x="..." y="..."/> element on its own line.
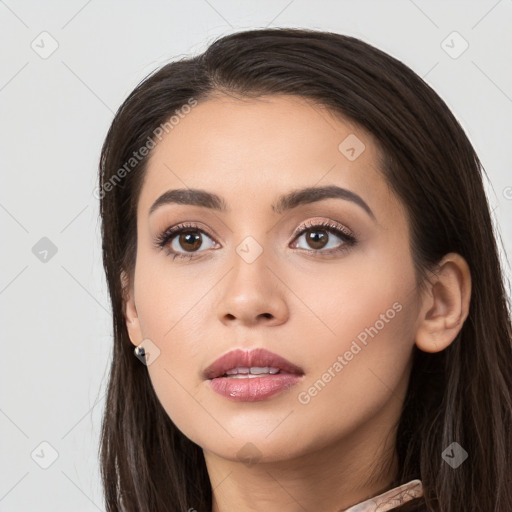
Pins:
<point x="251" y="150"/>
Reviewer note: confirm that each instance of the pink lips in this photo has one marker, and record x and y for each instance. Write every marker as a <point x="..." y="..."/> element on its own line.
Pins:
<point x="255" y="388"/>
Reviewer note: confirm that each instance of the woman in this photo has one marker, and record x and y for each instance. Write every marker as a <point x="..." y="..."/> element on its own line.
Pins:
<point x="308" y="305"/>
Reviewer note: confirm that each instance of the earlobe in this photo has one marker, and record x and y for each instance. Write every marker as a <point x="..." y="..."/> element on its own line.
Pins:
<point x="130" y="311"/>
<point x="445" y="305"/>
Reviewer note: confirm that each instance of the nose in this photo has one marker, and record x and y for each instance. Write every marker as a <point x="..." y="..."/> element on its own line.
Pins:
<point x="253" y="294"/>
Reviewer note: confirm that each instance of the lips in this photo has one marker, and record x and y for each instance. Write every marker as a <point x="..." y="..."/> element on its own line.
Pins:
<point x="258" y="357"/>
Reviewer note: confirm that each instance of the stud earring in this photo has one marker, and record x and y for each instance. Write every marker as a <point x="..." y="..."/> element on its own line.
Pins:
<point x="139" y="352"/>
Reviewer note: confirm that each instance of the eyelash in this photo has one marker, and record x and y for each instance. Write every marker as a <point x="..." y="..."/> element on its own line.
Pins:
<point x="348" y="238"/>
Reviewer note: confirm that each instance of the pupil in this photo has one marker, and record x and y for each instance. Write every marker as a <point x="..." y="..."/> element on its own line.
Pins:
<point x="318" y="239"/>
<point x="192" y="240"/>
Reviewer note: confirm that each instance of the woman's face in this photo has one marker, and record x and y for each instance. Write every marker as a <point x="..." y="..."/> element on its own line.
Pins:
<point x="340" y="305"/>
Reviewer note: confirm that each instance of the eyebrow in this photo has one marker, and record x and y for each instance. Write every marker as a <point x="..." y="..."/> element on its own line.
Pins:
<point x="197" y="197"/>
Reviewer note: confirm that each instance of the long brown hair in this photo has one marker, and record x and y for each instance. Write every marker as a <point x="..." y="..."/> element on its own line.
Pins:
<point x="462" y="394"/>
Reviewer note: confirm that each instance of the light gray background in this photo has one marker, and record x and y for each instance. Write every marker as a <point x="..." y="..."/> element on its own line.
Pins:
<point x="55" y="112"/>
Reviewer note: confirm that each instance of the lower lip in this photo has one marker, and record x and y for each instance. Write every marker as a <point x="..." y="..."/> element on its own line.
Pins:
<point x="254" y="389"/>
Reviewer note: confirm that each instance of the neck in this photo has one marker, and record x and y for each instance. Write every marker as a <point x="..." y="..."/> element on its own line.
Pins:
<point x="328" y="478"/>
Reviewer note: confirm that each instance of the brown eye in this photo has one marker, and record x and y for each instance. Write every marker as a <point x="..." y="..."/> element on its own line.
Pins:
<point x="323" y="236"/>
<point x="184" y="241"/>
<point x="317" y="239"/>
<point x="190" y="240"/>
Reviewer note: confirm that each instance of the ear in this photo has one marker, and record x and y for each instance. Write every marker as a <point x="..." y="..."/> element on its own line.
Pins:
<point x="130" y="311"/>
<point x="445" y="305"/>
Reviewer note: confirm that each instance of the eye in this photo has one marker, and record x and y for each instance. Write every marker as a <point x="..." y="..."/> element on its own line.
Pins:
<point x="318" y="236"/>
<point x="187" y="237"/>
<point x="186" y="240"/>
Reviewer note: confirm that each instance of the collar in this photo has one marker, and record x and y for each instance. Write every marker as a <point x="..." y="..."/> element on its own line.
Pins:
<point x="390" y="499"/>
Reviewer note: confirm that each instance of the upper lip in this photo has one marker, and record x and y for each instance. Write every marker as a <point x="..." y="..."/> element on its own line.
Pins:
<point x="258" y="357"/>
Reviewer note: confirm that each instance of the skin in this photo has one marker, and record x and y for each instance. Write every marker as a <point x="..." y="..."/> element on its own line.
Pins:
<point x="337" y="449"/>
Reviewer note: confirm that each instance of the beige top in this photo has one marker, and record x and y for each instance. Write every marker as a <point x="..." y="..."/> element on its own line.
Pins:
<point x="390" y="499"/>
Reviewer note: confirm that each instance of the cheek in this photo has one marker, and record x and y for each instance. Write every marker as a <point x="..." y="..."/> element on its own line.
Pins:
<point x="369" y="295"/>
<point x="172" y="299"/>
<point x="173" y="305"/>
<point x="360" y="344"/>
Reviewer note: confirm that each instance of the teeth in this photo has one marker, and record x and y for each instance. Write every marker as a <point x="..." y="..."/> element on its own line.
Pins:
<point x="234" y="371"/>
<point x="247" y="376"/>
<point x="255" y="371"/>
